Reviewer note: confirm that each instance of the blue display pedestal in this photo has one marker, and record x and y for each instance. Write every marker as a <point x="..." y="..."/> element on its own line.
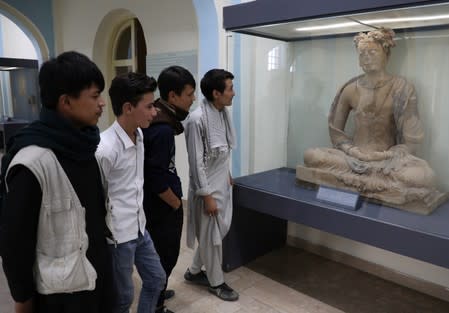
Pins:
<point x="264" y="202"/>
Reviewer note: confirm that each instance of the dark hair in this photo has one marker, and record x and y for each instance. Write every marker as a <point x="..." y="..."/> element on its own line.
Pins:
<point x="214" y="79"/>
<point x="69" y="73"/>
<point x="129" y="87"/>
<point x="174" y="78"/>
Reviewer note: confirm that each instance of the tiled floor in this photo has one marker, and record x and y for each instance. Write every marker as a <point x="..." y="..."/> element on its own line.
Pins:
<point x="304" y="283"/>
<point x="258" y="293"/>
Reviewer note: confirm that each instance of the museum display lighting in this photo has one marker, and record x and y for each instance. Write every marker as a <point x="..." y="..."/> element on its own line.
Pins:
<point x="374" y="22"/>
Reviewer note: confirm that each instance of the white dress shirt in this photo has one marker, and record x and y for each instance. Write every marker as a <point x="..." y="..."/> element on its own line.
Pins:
<point x="121" y="162"/>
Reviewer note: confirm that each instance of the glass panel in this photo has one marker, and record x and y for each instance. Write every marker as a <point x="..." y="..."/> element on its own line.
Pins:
<point x="141" y="48"/>
<point x="5" y="86"/>
<point x="24" y="91"/>
<point x="288" y="88"/>
<point x="262" y="67"/>
<point x="324" y="65"/>
<point x="123" y="50"/>
<point x="123" y="69"/>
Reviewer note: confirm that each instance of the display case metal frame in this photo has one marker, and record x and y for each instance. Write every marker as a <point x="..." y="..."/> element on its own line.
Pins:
<point x="264" y="202"/>
<point x="247" y="18"/>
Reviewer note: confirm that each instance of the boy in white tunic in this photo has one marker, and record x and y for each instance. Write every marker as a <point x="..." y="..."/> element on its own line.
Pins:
<point x="210" y="137"/>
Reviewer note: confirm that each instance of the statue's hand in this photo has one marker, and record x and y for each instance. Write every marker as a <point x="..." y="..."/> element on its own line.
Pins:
<point x="370" y="156"/>
<point x="398" y="153"/>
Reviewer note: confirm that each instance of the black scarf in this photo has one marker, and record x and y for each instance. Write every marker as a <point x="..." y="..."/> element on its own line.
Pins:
<point x="54" y="132"/>
<point x="170" y="114"/>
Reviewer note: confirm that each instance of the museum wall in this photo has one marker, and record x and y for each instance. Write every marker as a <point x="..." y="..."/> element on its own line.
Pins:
<point x="172" y="26"/>
<point x="282" y="111"/>
<point x="169" y="26"/>
<point x="40" y="13"/>
<point x="15" y="44"/>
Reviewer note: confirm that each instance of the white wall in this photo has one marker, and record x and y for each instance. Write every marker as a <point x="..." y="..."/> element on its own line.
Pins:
<point x="222" y="34"/>
<point x="14" y="41"/>
<point x="168" y="25"/>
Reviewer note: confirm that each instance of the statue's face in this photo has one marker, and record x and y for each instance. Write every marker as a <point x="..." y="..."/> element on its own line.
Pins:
<point x="372" y="57"/>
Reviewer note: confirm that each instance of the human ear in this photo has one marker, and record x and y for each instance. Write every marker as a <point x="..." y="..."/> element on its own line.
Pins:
<point x="171" y="96"/>
<point x="216" y="93"/>
<point x="63" y="102"/>
<point x="63" y="99"/>
<point x="126" y="107"/>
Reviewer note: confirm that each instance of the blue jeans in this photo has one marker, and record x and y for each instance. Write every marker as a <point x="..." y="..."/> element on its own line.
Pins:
<point x="142" y="253"/>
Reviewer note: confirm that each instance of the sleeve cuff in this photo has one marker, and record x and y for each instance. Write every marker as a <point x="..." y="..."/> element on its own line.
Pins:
<point x="203" y="191"/>
<point x="22" y="295"/>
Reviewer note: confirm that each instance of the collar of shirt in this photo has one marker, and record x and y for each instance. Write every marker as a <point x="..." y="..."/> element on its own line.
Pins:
<point x="123" y="136"/>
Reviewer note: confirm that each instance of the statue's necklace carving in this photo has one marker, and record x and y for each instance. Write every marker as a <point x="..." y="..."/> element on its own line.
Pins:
<point x="369" y="95"/>
<point x="363" y="82"/>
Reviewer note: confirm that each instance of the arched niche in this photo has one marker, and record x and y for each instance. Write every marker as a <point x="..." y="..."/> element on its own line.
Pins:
<point x="30" y="30"/>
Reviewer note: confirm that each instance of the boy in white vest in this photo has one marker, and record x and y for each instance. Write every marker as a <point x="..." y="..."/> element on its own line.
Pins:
<point x="53" y="238"/>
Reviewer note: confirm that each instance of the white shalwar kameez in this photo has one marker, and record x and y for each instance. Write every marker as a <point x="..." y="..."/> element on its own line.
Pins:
<point x="210" y="137"/>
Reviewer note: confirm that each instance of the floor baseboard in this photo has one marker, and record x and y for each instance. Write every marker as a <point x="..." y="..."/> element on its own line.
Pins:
<point x="383" y="272"/>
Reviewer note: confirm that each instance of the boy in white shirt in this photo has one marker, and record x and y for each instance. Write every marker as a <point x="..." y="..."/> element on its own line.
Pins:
<point x="121" y="156"/>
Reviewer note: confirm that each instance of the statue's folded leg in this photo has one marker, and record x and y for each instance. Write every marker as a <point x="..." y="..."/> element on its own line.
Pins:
<point x="325" y="158"/>
<point x="416" y="173"/>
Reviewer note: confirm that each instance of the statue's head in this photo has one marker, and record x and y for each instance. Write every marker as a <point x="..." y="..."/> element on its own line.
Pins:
<point x="374" y="48"/>
<point x="382" y="36"/>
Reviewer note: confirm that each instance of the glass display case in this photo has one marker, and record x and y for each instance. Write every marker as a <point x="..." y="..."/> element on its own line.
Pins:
<point x="290" y="59"/>
<point x="19" y="96"/>
<point x="291" y="72"/>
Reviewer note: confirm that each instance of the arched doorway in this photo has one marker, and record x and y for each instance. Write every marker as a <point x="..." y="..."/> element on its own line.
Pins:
<point x="29" y="29"/>
<point x="119" y="47"/>
<point x="185" y="36"/>
<point x="129" y="48"/>
<point x="22" y="49"/>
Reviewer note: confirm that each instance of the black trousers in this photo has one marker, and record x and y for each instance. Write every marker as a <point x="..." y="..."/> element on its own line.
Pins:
<point x="77" y="302"/>
<point x="165" y="227"/>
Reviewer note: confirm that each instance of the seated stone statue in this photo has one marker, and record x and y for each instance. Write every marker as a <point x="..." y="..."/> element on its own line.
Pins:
<point x="377" y="160"/>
